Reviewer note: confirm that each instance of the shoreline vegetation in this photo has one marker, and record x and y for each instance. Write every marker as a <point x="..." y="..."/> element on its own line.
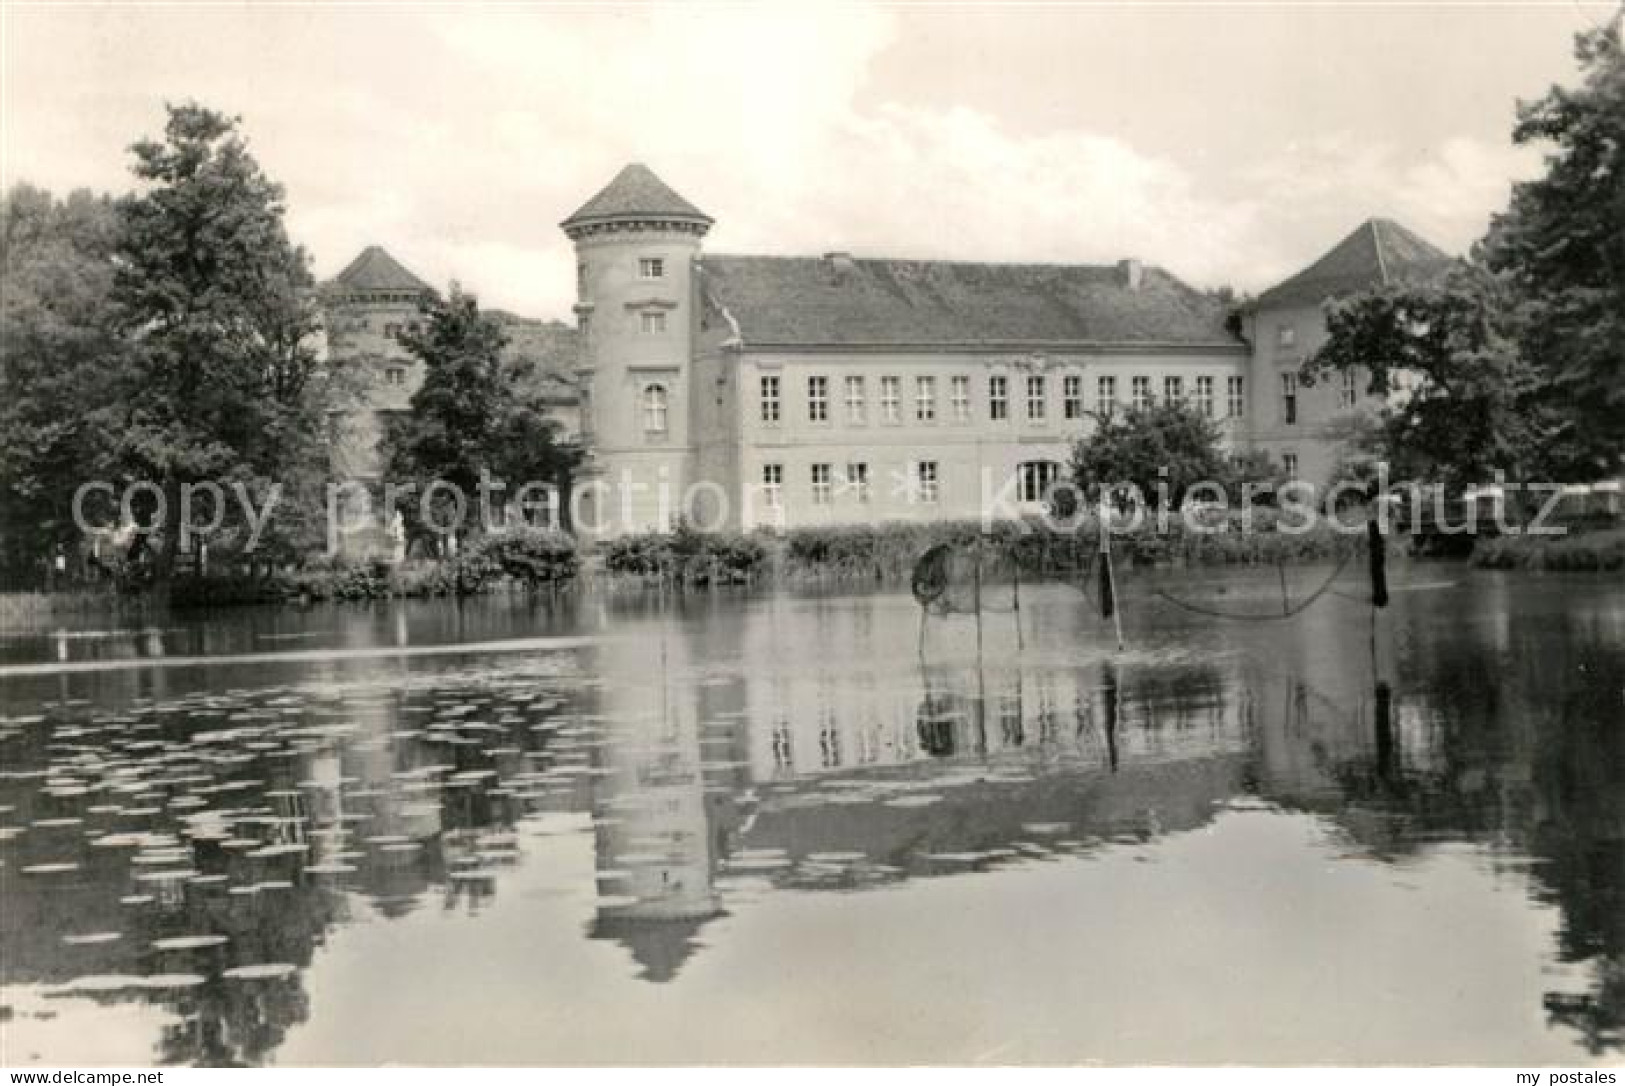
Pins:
<point x="538" y="560"/>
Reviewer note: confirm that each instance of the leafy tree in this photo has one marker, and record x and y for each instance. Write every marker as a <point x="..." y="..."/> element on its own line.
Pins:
<point x="476" y="412"/>
<point x="1163" y="450"/>
<point x="1561" y="244"/>
<point x="224" y="385"/>
<point x="1453" y="343"/>
<point x="61" y="355"/>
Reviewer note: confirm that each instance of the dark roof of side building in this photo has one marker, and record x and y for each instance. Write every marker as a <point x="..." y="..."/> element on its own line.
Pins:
<point x="552" y="349"/>
<point x="1379" y="251"/>
<point x="840" y="301"/>
<point x="636" y="193"/>
<point x="375" y="269"/>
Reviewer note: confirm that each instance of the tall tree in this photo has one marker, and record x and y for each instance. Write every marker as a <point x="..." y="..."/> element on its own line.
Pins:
<point x="221" y="305"/>
<point x="61" y="357"/>
<point x="1561" y="243"/>
<point x="476" y="412"/>
<point x="1445" y="355"/>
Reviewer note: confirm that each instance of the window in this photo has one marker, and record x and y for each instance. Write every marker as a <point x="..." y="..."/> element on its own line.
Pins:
<point x="818" y="399"/>
<point x="1289" y="461"/>
<point x="1140" y="396"/>
<point x="1173" y="390"/>
<point x="395" y="375"/>
<point x="1286" y="336"/>
<point x="1072" y="397"/>
<point x="1348" y="392"/>
<point x="1037" y="393"/>
<point x="770" y="399"/>
<point x="1289" y="398"/>
<point x="925" y="399"/>
<point x="998" y="397"/>
<point x="890" y="393"/>
<point x="654" y="409"/>
<point x="392" y="331"/>
<point x="822" y="494"/>
<point x="772" y="484"/>
<point x="1235" y="389"/>
<point x="856" y="407"/>
<point x="925" y="481"/>
<point x="1204" y="396"/>
<point x="1034" y="479"/>
<point x="652" y="321"/>
<point x="961" y="398"/>
<point x="651" y="267"/>
<point x="1105" y="394"/>
<point x="857" y="481"/>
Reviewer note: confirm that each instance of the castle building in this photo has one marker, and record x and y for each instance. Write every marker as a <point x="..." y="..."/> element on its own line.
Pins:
<point x="743" y="391"/>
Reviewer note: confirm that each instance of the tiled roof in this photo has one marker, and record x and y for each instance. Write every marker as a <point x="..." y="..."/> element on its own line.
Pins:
<point x="375" y="269"/>
<point x="813" y="301"/>
<point x="1379" y="251"/>
<point x="554" y="348"/>
<point x="636" y="193"/>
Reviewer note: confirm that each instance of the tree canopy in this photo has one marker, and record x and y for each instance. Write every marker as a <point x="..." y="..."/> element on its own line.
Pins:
<point x="1163" y="450"/>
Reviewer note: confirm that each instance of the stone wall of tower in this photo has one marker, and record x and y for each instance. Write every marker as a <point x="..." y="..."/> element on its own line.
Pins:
<point x="638" y="332"/>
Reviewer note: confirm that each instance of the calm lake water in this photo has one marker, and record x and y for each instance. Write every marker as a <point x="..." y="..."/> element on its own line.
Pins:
<point x="769" y="829"/>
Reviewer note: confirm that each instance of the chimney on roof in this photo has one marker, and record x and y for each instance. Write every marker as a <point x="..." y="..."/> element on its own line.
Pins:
<point x="1131" y="273"/>
<point x="839" y="265"/>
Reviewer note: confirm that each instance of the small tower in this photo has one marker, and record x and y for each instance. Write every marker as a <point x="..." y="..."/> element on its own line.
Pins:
<point x="636" y="245"/>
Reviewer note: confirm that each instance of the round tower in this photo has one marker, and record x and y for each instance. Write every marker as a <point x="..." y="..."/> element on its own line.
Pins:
<point x="636" y="245"/>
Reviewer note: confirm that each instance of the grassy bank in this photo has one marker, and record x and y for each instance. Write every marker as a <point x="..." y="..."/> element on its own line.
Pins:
<point x="1584" y="552"/>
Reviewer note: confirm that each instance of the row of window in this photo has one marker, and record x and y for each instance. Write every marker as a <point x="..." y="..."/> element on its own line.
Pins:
<point x="922" y="485"/>
<point x="1035" y="398"/>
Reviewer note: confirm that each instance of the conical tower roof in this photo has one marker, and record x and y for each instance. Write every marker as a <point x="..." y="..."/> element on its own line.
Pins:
<point x="375" y="269"/>
<point x="637" y="194"/>
<point x="1379" y="251"/>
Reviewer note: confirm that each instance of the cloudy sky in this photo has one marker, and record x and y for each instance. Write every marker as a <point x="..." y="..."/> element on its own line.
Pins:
<point x="1228" y="142"/>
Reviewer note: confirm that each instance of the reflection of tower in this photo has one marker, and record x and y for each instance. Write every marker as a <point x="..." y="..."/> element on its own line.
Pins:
<point x="653" y="835"/>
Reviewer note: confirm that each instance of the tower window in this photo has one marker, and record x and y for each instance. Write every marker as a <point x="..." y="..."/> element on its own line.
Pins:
<point x="654" y="409"/>
<point x="998" y="397"/>
<point x="652" y="321"/>
<point x="1037" y="395"/>
<point x="770" y="399"/>
<point x="1289" y="398"/>
<point x="818" y="399"/>
<point x="1286" y="336"/>
<point x="1072" y="397"/>
<point x="651" y="267"/>
<point x="925" y="399"/>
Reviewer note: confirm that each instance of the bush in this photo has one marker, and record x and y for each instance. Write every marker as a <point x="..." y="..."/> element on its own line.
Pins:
<point x="688" y="557"/>
<point x="530" y="556"/>
<point x="1587" y="552"/>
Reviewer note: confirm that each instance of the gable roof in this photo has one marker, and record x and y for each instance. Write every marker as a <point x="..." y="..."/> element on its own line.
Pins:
<point x="375" y="269"/>
<point x="840" y="301"/>
<point x="1379" y="251"/>
<point x="636" y="193"/>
